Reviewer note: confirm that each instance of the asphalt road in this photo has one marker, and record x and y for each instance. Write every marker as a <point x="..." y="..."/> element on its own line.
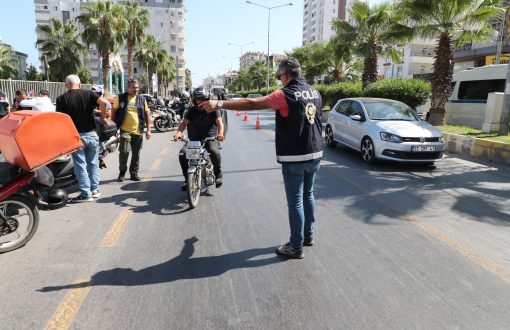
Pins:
<point x="397" y="247"/>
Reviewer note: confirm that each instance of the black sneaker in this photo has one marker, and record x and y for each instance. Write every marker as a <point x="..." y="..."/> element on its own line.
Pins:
<point x="135" y="177"/>
<point x="219" y="182"/>
<point x="308" y="241"/>
<point x="121" y="176"/>
<point x="184" y="186"/>
<point x="287" y="251"/>
<point x="80" y="199"/>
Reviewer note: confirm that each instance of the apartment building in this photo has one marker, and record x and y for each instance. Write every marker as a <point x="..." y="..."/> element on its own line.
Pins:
<point x="166" y="19"/>
<point x="249" y="58"/>
<point x="318" y="16"/>
<point x="418" y="60"/>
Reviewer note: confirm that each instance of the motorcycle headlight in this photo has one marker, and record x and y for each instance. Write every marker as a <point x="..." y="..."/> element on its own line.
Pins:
<point x="391" y="137"/>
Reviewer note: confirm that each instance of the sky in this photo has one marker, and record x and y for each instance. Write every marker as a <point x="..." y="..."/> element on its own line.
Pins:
<point x="209" y="27"/>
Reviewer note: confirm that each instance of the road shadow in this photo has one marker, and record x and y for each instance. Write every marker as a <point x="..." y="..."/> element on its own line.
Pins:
<point x="181" y="267"/>
<point x="405" y="188"/>
<point x="154" y="196"/>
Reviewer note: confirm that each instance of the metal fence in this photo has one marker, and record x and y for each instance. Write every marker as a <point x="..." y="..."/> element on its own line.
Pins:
<point x="9" y="87"/>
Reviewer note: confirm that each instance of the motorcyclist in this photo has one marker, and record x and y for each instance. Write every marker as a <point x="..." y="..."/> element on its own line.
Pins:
<point x="201" y="125"/>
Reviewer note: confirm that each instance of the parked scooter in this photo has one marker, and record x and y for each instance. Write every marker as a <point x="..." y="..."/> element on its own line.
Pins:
<point x="19" y="217"/>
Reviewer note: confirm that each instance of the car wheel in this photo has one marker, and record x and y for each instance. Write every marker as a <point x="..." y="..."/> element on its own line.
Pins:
<point x="330" y="141"/>
<point x="368" y="150"/>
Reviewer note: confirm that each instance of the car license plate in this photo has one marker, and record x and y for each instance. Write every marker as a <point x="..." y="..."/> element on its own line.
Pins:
<point x="423" y="148"/>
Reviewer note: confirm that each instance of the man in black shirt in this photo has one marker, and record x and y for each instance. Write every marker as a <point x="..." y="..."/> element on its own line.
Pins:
<point x="79" y="104"/>
<point x="201" y="125"/>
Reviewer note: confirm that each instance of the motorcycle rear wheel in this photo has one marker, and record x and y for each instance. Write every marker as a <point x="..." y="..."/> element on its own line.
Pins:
<point x="24" y="211"/>
<point x="161" y="124"/>
<point x="193" y="189"/>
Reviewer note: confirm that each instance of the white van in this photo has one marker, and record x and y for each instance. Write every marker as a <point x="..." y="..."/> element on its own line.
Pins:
<point x="467" y="104"/>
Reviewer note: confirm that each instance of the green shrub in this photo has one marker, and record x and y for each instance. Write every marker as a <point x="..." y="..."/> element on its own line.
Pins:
<point x="412" y="92"/>
<point x="332" y="93"/>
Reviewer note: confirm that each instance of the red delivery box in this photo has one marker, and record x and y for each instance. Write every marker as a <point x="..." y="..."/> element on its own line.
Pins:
<point x="31" y="139"/>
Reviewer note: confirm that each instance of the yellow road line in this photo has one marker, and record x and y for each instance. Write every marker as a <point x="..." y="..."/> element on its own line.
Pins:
<point x="164" y="151"/>
<point x="69" y="307"/>
<point x="155" y="165"/>
<point x="463" y="249"/>
<point x="112" y="236"/>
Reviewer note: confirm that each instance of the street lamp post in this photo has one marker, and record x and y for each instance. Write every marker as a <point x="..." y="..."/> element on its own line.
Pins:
<point x="268" y="26"/>
<point x="240" y="46"/>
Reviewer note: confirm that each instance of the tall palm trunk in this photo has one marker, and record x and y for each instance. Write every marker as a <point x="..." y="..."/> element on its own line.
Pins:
<point x="130" y="45"/>
<point x="149" y="82"/>
<point x="105" y="65"/>
<point x="443" y="72"/>
<point x="370" y="70"/>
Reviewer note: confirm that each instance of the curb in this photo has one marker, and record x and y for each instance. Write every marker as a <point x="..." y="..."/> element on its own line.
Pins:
<point x="486" y="150"/>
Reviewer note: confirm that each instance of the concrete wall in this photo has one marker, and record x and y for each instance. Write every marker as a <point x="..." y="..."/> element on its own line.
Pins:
<point x="486" y="150"/>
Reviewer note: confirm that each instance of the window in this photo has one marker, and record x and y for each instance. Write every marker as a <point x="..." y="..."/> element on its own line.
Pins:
<point x="479" y="89"/>
<point x="172" y="49"/>
<point x="342" y="107"/>
<point x="356" y="109"/>
<point x="161" y="24"/>
<point x="65" y="16"/>
<point x="45" y="7"/>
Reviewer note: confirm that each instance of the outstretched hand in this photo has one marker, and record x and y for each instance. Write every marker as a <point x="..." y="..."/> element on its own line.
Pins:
<point x="209" y="106"/>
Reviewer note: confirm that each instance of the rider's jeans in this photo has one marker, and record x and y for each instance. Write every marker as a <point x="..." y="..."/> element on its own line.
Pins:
<point x="86" y="163"/>
<point x="298" y="179"/>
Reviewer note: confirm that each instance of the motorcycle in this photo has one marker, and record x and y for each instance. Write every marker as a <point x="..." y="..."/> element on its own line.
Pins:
<point x="200" y="170"/>
<point x="19" y="216"/>
<point x="109" y="139"/>
<point x="166" y="119"/>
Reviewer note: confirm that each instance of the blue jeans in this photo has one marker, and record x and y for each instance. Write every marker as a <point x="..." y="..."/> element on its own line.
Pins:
<point x="298" y="179"/>
<point x="86" y="163"/>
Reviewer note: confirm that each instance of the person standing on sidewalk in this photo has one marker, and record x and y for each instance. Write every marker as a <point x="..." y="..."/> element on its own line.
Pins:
<point x="298" y="140"/>
<point x="79" y="104"/>
<point x="131" y="114"/>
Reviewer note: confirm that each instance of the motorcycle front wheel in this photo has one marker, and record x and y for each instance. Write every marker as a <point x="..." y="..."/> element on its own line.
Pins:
<point x="161" y="124"/>
<point x="193" y="189"/>
<point x="22" y="217"/>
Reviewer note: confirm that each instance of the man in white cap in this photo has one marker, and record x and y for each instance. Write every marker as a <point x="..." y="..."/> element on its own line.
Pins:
<point x="79" y="104"/>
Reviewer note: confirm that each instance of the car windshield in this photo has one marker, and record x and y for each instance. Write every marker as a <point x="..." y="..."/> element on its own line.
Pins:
<point x="253" y="96"/>
<point x="387" y="110"/>
<point x="236" y="96"/>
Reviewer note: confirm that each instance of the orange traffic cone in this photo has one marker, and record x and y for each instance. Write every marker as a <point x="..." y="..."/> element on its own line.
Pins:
<point x="245" y="117"/>
<point x="238" y="113"/>
<point x="257" y="124"/>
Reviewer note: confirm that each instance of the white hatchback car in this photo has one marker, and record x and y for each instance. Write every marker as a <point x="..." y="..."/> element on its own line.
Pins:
<point x="383" y="129"/>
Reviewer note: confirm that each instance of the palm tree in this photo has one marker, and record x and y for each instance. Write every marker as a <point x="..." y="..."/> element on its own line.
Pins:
<point x="331" y="58"/>
<point x="451" y="23"/>
<point x="165" y="70"/>
<point x="104" y="24"/>
<point x="8" y="66"/>
<point x="138" y="20"/>
<point x="60" y="43"/>
<point x="374" y="31"/>
<point x="147" y="52"/>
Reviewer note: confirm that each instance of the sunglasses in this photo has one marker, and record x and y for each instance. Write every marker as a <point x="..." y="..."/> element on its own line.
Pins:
<point x="279" y="75"/>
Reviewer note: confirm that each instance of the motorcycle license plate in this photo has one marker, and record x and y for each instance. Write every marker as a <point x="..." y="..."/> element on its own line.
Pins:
<point x="423" y="148"/>
<point x="193" y="154"/>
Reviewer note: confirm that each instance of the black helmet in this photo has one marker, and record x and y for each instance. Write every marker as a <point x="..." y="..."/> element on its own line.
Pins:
<point x="201" y="93"/>
<point x="57" y="198"/>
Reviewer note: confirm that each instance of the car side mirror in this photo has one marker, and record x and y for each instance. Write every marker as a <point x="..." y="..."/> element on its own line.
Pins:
<point x="356" y="117"/>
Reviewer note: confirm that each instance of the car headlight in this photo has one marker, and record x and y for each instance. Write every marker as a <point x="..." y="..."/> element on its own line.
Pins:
<point x="391" y="137"/>
<point x="441" y="139"/>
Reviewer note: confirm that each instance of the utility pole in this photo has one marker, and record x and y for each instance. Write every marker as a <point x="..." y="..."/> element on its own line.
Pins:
<point x="46" y="67"/>
<point x="505" y="112"/>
